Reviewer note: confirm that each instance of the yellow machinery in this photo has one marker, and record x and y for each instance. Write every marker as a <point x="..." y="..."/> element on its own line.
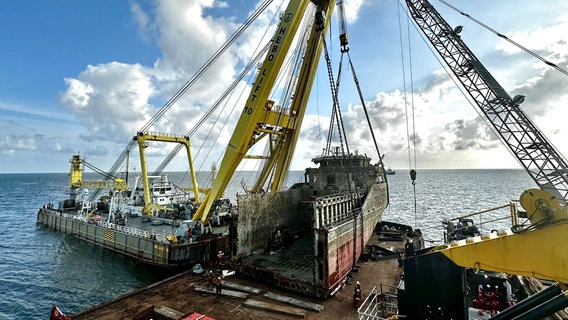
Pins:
<point x="76" y="178"/>
<point x="538" y="249"/>
<point x="260" y="118"/>
<point x="142" y="138"/>
<point x="76" y="173"/>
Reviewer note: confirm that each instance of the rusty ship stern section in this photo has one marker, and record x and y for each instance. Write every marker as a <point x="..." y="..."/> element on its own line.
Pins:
<point x="307" y="239"/>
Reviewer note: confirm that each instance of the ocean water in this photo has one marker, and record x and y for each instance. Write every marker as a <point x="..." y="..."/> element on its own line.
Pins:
<point x="40" y="268"/>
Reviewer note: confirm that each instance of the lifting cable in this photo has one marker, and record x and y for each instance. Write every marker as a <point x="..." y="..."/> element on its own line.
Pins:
<point x="106" y="175"/>
<point x="120" y="160"/>
<point x="411" y="165"/>
<point x="356" y="80"/>
<point x="335" y="112"/>
<point x="532" y="53"/>
<point x="206" y="66"/>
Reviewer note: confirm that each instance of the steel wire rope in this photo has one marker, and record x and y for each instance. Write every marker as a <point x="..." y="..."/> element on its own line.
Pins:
<point x="293" y="66"/>
<point x="210" y="111"/>
<point x="207" y="64"/>
<point x="246" y="160"/>
<point x="211" y="178"/>
<point x="336" y="116"/>
<point x="412" y="171"/>
<point x="336" y="113"/>
<point x="291" y="63"/>
<point x="356" y="80"/>
<point x="121" y="158"/>
<point x="229" y="92"/>
<point x="469" y="99"/>
<point x="532" y="53"/>
<point x="330" y="130"/>
<point x="253" y="61"/>
<point x="364" y="106"/>
<point x="97" y="170"/>
<point x="410" y="150"/>
<point x="224" y="97"/>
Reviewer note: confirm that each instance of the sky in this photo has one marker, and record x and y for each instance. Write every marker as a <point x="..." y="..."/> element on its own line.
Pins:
<point x="85" y="76"/>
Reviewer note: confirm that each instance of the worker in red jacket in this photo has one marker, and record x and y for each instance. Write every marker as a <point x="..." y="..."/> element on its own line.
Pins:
<point x="218" y="286"/>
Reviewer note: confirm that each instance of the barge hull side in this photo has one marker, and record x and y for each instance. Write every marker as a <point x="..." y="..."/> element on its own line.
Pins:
<point x="134" y="245"/>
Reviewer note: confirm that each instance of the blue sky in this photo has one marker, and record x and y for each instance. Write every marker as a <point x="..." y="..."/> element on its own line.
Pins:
<point x="86" y="75"/>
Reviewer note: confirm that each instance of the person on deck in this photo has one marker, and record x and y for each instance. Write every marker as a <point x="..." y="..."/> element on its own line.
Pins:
<point x="357" y="295"/>
<point x="220" y="256"/>
<point x="218" y="286"/>
<point x="210" y="277"/>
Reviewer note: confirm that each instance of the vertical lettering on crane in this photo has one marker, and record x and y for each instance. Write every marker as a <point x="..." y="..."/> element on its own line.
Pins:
<point x="258" y="84"/>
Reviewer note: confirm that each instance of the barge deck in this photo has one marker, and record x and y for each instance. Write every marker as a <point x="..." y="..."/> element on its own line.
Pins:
<point x="179" y="293"/>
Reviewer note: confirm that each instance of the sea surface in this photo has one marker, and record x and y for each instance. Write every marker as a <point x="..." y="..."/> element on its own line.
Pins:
<point x="40" y="268"/>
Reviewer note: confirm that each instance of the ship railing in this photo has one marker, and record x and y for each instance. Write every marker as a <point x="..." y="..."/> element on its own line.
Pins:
<point x="379" y="304"/>
<point x="335" y="209"/>
<point x="492" y="219"/>
<point x="68" y="215"/>
<point x="134" y="231"/>
<point x="124" y="229"/>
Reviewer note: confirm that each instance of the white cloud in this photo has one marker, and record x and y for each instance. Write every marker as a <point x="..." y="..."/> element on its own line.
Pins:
<point x="110" y="100"/>
<point x="352" y="8"/>
<point x="12" y="143"/>
<point x="142" y="20"/>
<point x="113" y="100"/>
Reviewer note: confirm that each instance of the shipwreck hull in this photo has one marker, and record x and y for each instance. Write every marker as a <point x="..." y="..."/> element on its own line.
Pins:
<point x="322" y="237"/>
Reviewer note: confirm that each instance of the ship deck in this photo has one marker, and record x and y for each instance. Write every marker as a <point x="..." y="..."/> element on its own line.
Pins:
<point x="139" y="223"/>
<point x="294" y="262"/>
<point x="179" y="293"/>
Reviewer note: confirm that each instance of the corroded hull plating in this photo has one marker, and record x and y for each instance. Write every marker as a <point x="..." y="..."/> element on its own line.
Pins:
<point x="346" y="242"/>
<point x="308" y="238"/>
<point x="343" y="244"/>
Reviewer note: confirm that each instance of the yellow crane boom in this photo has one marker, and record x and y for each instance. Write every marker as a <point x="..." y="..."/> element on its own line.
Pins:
<point x="260" y="119"/>
<point x="76" y="178"/>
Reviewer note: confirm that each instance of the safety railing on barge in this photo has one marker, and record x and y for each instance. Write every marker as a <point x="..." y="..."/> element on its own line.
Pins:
<point x="463" y="227"/>
<point x="379" y="305"/>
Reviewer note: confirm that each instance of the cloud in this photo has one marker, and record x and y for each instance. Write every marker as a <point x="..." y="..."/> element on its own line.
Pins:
<point x="113" y="100"/>
<point x="10" y="144"/>
<point x="143" y="21"/>
<point x="110" y="100"/>
<point x="352" y="9"/>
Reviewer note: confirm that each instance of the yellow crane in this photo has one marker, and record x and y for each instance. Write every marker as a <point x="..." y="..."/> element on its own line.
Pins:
<point x="435" y="280"/>
<point x="142" y="138"/>
<point x="261" y="119"/>
<point x="76" y="178"/>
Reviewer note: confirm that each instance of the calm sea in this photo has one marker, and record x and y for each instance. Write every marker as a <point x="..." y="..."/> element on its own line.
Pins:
<point x="39" y="268"/>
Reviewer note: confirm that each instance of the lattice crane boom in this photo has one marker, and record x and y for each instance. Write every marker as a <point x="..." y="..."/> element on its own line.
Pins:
<point x="546" y="166"/>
